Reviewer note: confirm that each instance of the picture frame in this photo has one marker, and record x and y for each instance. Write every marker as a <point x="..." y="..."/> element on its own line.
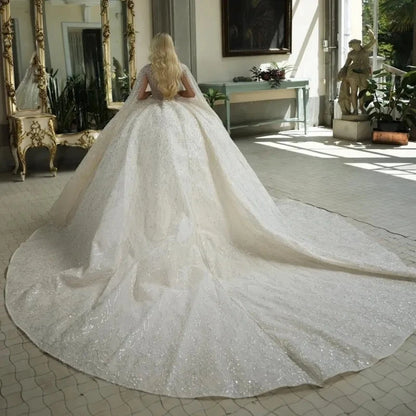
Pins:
<point x="261" y="27"/>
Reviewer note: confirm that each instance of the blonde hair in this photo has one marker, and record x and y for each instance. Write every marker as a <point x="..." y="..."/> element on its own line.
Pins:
<point x="167" y="70"/>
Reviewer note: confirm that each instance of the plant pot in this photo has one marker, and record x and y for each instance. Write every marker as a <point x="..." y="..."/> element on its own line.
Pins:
<point x="391" y="126"/>
<point x="390" y="137"/>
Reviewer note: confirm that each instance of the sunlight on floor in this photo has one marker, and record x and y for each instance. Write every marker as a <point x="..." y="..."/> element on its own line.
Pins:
<point x="402" y="152"/>
<point x="291" y="148"/>
<point x="401" y="170"/>
<point x="323" y="150"/>
<point x="321" y="144"/>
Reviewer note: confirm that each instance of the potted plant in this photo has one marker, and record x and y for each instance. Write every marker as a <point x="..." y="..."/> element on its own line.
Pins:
<point x="80" y="110"/>
<point x="391" y="104"/>
<point x="78" y="106"/>
<point x="213" y="95"/>
<point x="271" y="72"/>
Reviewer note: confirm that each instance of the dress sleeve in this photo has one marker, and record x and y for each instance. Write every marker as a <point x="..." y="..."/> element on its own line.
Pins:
<point x="141" y="80"/>
<point x="198" y="93"/>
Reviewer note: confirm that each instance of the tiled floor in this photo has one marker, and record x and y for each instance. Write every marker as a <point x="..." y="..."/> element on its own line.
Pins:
<point x="372" y="186"/>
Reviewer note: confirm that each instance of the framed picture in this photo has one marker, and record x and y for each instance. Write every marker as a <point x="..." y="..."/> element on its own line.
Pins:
<point x="256" y="27"/>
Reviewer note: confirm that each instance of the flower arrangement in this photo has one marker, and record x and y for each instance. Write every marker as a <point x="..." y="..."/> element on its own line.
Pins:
<point x="271" y="72"/>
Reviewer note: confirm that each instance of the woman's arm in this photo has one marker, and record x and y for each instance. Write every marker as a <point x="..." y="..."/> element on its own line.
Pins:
<point x="188" y="92"/>
<point x="142" y="94"/>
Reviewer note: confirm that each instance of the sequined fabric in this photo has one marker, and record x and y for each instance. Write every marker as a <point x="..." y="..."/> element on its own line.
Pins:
<point x="27" y="93"/>
<point x="168" y="268"/>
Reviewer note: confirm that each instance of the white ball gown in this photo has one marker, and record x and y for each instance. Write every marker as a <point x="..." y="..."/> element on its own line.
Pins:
<point x="169" y="268"/>
<point x="27" y="93"/>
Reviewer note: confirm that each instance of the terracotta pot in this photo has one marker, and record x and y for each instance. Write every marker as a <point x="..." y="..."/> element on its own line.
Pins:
<point x="391" y="137"/>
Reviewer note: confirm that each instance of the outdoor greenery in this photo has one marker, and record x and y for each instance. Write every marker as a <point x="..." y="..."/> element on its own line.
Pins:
<point x="397" y="30"/>
<point x="391" y="99"/>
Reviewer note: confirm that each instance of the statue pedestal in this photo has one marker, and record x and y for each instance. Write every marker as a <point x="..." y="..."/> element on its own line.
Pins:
<point x="354" y="130"/>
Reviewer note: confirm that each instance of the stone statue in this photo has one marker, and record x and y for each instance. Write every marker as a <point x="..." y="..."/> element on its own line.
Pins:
<point x="354" y="75"/>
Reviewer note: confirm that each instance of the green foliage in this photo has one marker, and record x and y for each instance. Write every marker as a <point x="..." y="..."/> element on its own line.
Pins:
<point x="60" y="104"/>
<point x="120" y="82"/>
<point x="399" y="13"/>
<point x="78" y="106"/>
<point x="388" y="100"/>
<point x="213" y="95"/>
<point x="396" y="23"/>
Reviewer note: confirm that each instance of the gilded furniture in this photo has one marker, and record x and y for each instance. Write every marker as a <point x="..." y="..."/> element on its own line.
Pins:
<point x="36" y="128"/>
<point x="84" y="139"/>
<point x="130" y="38"/>
<point x="31" y="130"/>
<point x="7" y="51"/>
<point x="259" y="91"/>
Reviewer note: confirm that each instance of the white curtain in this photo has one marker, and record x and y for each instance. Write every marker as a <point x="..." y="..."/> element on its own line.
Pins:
<point x="76" y="51"/>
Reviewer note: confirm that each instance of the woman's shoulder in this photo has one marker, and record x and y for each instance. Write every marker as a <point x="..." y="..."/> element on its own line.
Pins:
<point x="184" y="68"/>
<point x="145" y="68"/>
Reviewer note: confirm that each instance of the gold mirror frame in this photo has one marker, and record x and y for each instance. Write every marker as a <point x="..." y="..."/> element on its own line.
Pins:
<point x="8" y="65"/>
<point x="7" y="51"/>
<point x="40" y="49"/>
<point x="131" y="42"/>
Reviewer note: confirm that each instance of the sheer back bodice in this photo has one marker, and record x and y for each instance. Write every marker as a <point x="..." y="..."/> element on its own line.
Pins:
<point x="156" y="93"/>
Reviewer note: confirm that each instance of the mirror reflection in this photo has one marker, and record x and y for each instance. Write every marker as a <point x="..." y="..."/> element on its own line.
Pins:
<point x="25" y="62"/>
<point x="74" y="63"/>
<point x="74" y="60"/>
<point x="118" y="50"/>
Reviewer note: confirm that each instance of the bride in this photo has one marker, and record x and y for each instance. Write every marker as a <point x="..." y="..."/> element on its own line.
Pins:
<point x="168" y="267"/>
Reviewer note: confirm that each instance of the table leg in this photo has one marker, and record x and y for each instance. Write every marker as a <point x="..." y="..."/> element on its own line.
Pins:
<point x="22" y="157"/>
<point x="227" y="115"/>
<point x="305" y="105"/>
<point x="52" y="152"/>
<point x="13" y="150"/>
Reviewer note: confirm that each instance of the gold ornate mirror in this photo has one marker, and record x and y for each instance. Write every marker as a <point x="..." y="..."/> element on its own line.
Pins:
<point x="23" y="51"/>
<point x="7" y="50"/>
<point x="117" y="17"/>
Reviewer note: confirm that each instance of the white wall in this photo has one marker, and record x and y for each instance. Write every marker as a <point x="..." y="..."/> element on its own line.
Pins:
<point x="143" y="25"/>
<point x="355" y="11"/>
<point x="306" y="54"/>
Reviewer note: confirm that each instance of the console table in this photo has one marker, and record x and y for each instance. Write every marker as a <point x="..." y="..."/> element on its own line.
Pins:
<point x="236" y="92"/>
<point x="32" y="129"/>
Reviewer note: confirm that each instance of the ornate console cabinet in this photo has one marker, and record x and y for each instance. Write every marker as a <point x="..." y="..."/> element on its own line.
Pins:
<point x="32" y="130"/>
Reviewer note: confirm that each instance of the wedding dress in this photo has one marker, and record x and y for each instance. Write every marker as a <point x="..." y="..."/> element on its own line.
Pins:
<point x="168" y="268"/>
<point x="27" y="93"/>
